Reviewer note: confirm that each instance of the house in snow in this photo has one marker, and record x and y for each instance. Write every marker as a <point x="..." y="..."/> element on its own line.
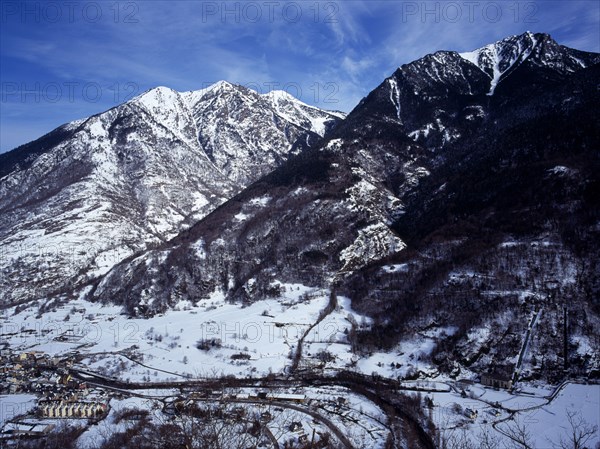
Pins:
<point x="499" y="377"/>
<point x="470" y="413"/>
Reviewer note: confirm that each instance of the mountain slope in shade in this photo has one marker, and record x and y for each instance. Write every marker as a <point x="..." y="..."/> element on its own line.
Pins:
<point x="495" y="210"/>
<point x="90" y="193"/>
<point x="504" y="228"/>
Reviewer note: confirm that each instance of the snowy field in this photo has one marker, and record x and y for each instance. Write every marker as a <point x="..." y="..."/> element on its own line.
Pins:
<point x="243" y="341"/>
<point x="260" y="339"/>
<point x="15" y="405"/>
<point x="255" y="340"/>
<point x="548" y="423"/>
<point x="544" y="421"/>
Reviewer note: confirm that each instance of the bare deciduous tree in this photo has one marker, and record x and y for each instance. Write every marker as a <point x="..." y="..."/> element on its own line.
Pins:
<point x="518" y="433"/>
<point x="577" y="432"/>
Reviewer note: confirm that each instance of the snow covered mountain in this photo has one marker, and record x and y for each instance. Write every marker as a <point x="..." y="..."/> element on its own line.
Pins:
<point x="448" y="181"/>
<point x="94" y="191"/>
<point x="498" y="60"/>
<point x="456" y="201"/>
<point x="446" y="96"/>
<point x="246" y="134"/>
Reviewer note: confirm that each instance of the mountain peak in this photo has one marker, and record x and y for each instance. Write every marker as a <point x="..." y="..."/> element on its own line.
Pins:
<point x="501" y="58"/>
<point x="156" y="97"/>
<point x="221" y="85"/>
<point x="150" y="167"/>
<point x="526" y="39"/>
<point x="442" y="96"/>
<point x="280" y="95"/>
<point x="498" y="58"/>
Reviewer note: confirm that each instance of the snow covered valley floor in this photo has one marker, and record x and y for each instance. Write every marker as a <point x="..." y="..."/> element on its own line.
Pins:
<point x="242" y="366"/>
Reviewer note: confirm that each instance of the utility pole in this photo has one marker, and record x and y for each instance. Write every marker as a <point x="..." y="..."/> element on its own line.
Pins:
<point x="566" y="337"/>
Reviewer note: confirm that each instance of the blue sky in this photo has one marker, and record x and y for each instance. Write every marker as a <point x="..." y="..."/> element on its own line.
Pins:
<point x="64" y="60"/>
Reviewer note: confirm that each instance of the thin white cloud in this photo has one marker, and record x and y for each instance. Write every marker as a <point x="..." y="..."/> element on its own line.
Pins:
<point x="344" y="20"/>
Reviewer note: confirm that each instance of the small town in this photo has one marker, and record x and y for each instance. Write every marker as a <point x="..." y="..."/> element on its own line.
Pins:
<point x="63" y="393"/>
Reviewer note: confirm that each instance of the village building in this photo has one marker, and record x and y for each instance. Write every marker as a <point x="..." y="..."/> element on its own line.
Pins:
<point x="286" y="397"/>
<point x="62" y="409"/>
<point x="500" y="377"/>
<point x="18" y="429"/>
<point x="471" y="413"/>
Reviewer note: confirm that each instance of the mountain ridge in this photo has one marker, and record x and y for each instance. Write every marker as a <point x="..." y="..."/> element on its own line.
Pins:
<point x="139" y="168"/>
